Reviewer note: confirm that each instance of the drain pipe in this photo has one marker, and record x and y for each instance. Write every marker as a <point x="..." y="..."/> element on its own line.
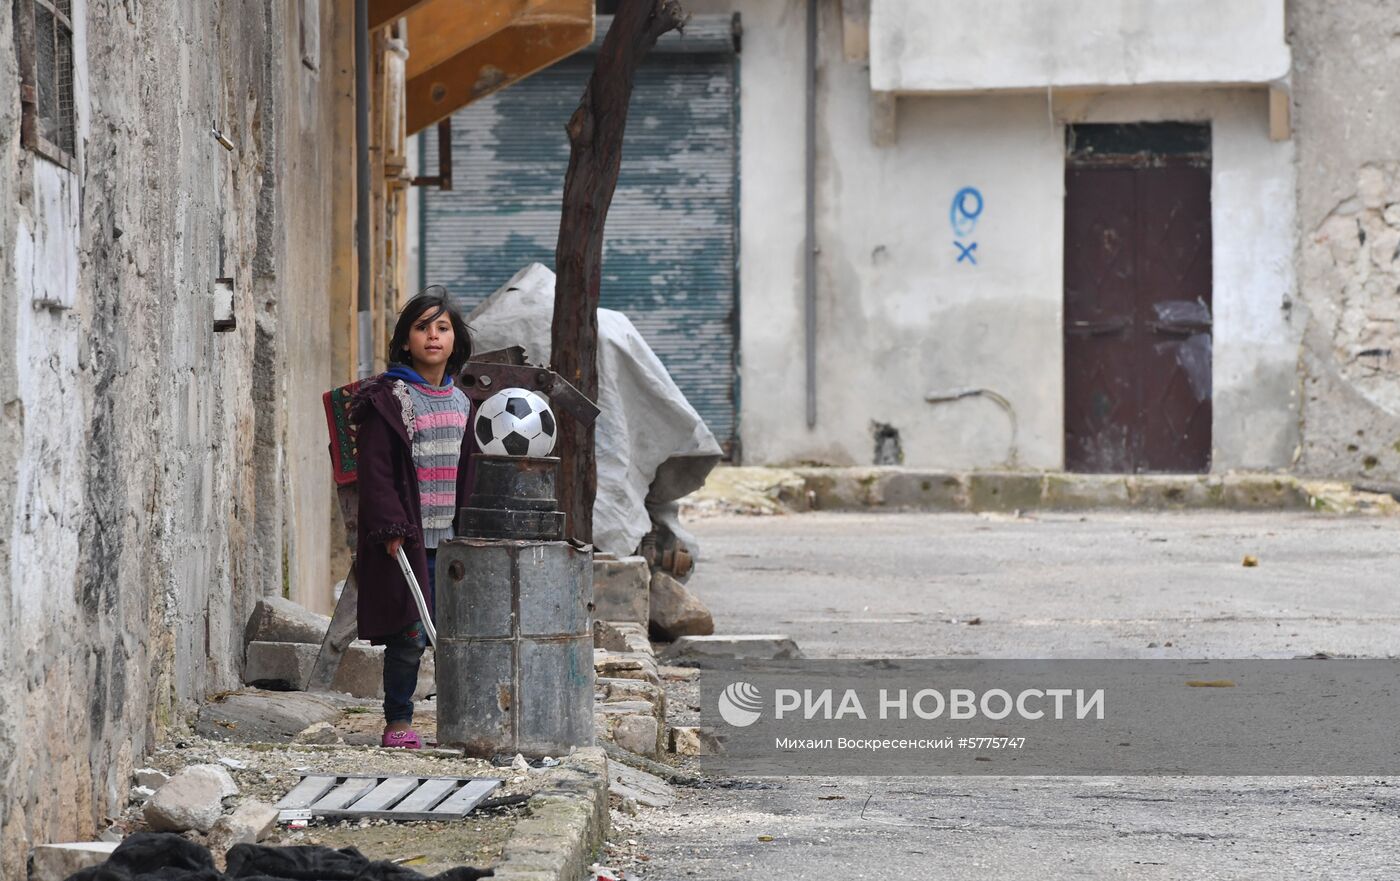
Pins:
<point x="365" y="319"/>
<point x="810" y="267"/>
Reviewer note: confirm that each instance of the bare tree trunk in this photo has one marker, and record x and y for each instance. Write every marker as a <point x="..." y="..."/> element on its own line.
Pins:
<point x="595" y="138"/>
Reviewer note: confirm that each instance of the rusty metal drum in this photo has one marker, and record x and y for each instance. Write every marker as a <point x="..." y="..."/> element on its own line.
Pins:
<point x="513" y="497"/>
<point x="515" y="646"/>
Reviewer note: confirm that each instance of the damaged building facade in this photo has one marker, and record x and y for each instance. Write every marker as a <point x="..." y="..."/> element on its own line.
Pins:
<point x="1092" y="236"/>
<point x="179" y="283"/>
<point x="1097" y="236"/>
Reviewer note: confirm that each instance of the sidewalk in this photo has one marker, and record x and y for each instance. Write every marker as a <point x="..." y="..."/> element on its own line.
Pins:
<point x="763" y="490"/>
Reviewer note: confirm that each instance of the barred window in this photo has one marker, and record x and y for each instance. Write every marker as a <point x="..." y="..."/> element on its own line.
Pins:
<point x="44" y="31"/>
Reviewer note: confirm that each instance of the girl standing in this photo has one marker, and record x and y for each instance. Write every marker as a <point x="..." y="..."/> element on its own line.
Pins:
<point x="413" y="465"/>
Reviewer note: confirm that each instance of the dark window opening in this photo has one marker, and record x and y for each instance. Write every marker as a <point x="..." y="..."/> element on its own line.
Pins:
<point x="44" y="36"/>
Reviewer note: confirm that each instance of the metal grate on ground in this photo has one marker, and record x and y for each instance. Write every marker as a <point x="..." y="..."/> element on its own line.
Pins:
<point x="384" y="796"/>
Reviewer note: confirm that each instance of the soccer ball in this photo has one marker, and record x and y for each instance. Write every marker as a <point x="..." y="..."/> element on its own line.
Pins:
<point x="515" y="422"/>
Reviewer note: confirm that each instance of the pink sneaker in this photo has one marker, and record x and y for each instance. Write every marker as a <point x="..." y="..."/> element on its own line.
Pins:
<point x="402" y="739"/>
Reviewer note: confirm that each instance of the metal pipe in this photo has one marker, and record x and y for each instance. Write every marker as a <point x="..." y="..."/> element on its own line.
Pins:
<point x="362" y="251"/>
<point x="810" y="245"/>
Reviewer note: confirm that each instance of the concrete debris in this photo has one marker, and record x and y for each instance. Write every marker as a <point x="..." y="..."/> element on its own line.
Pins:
<point x="193" y="799"/>
<point x="619" y="709"/>
<point x="249" y="823"/>
<point x="675" y="611"/>
<point x="638" y="734"/>
<point x="629" y="665"/>
<point x="320" y="733"/>
<point x="627" y="782"/>
<point x="687" y="741"/>
<point x="634" y="637"/>
<point x="621" y="590"/>
<point x="151" y="778"/>
<point x="679" y="674"/>
<point x="611" y="690"/>
<point x="56" y="862"/>
<point x="519" y="763"/>
<point x="276" y="619"/>
<point x="703" y="651"/>
<point x="606" y="636"/>
<point x="287" y="665"/>
<point x="263" y="716"/>
<point x="235" y="764"/>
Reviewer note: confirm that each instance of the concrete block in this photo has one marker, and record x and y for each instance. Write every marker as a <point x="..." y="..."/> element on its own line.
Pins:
<point x="625" y="781"/>
<point x="675" y="611"/>
<point x="276" y="619"/>
<point x="842" y="489"/>
<point x="1004" y="490"/>
<point x="287" y="665"/>
<point x="1174" y="491"/>
<point x="614" y="690"/>
<point x="249" y="823"/>
<point x="263" y="716"/>
<point x="689" y="741"/>
<point x="151" y="778"/>
<point x="1271" y="492"/>
<point x="708" y="651"/>
<point x="193" y="799"/>
<point x="278" y="665"/>
<point x="606" y="636"/>
<point x="56" y="862"/>
<point x="621" y="590"/>
<point x="635" y="637"/>
<point x="1076" y="492"/>
<point x="638" y="734"/>
<point x="629" y="665"/>
<point x="923" y="490"/>
<point x="679" y="674"/>
<point x="618" y="709"/>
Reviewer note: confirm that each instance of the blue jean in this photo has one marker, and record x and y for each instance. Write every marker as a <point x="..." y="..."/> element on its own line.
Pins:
<point x="402" y="654"/>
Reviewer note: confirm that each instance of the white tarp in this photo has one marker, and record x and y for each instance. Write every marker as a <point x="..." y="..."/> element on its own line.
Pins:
<point x="646" y="424"/>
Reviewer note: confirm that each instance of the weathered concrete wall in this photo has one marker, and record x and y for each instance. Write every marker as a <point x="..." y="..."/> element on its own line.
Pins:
<point x="950" y="45"/>
<point x="901" y="316"/>
<point x="1346" y="118"/>
<point x="142" y="472"/>
<point x="316" y="161"/>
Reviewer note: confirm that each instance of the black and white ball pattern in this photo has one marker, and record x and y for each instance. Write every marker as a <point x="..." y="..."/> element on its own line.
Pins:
<point x="515" y="422"/>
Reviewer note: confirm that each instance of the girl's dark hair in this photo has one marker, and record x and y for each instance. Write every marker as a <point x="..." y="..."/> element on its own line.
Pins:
<point x="430" y="304"/>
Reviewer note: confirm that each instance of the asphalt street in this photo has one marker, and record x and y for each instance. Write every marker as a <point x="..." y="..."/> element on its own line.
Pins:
<point x="1045" y="586"/>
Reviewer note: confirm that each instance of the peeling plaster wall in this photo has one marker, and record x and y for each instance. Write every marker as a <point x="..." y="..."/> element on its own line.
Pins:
<point x="142" y="474"/>
<point x="903" y="312"/>
<point x="1346" y="99"/>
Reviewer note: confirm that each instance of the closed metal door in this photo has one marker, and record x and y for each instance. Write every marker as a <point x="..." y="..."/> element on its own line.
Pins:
<point x="670" y="249"/>
<point x="1138" y="299"/>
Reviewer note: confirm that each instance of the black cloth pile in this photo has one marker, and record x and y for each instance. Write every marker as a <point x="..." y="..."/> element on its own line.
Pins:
<point x="161" y="856"/>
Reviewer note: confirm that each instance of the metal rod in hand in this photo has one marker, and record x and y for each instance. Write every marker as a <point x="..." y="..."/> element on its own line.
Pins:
<point x="418" y="597"/>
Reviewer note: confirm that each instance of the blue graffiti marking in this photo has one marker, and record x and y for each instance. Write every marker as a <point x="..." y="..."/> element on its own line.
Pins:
<point x="967" y="207"/>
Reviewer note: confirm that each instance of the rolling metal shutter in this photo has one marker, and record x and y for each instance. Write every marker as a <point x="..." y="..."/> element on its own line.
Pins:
<point x="669" y="260"/>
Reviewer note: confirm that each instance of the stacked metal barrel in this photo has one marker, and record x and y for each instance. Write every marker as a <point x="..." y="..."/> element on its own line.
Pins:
<point x="515" y="641"/>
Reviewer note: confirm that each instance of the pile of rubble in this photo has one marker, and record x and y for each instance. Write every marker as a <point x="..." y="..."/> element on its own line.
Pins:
<point x="282" y="640"/>
<point x="633" y="605"/>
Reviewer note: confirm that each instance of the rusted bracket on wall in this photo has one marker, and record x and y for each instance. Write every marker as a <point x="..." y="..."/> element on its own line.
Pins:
<point x="443" y="179"/>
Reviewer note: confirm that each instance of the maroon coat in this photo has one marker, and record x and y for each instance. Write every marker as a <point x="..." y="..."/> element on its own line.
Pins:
<point x="390" y="507"/>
